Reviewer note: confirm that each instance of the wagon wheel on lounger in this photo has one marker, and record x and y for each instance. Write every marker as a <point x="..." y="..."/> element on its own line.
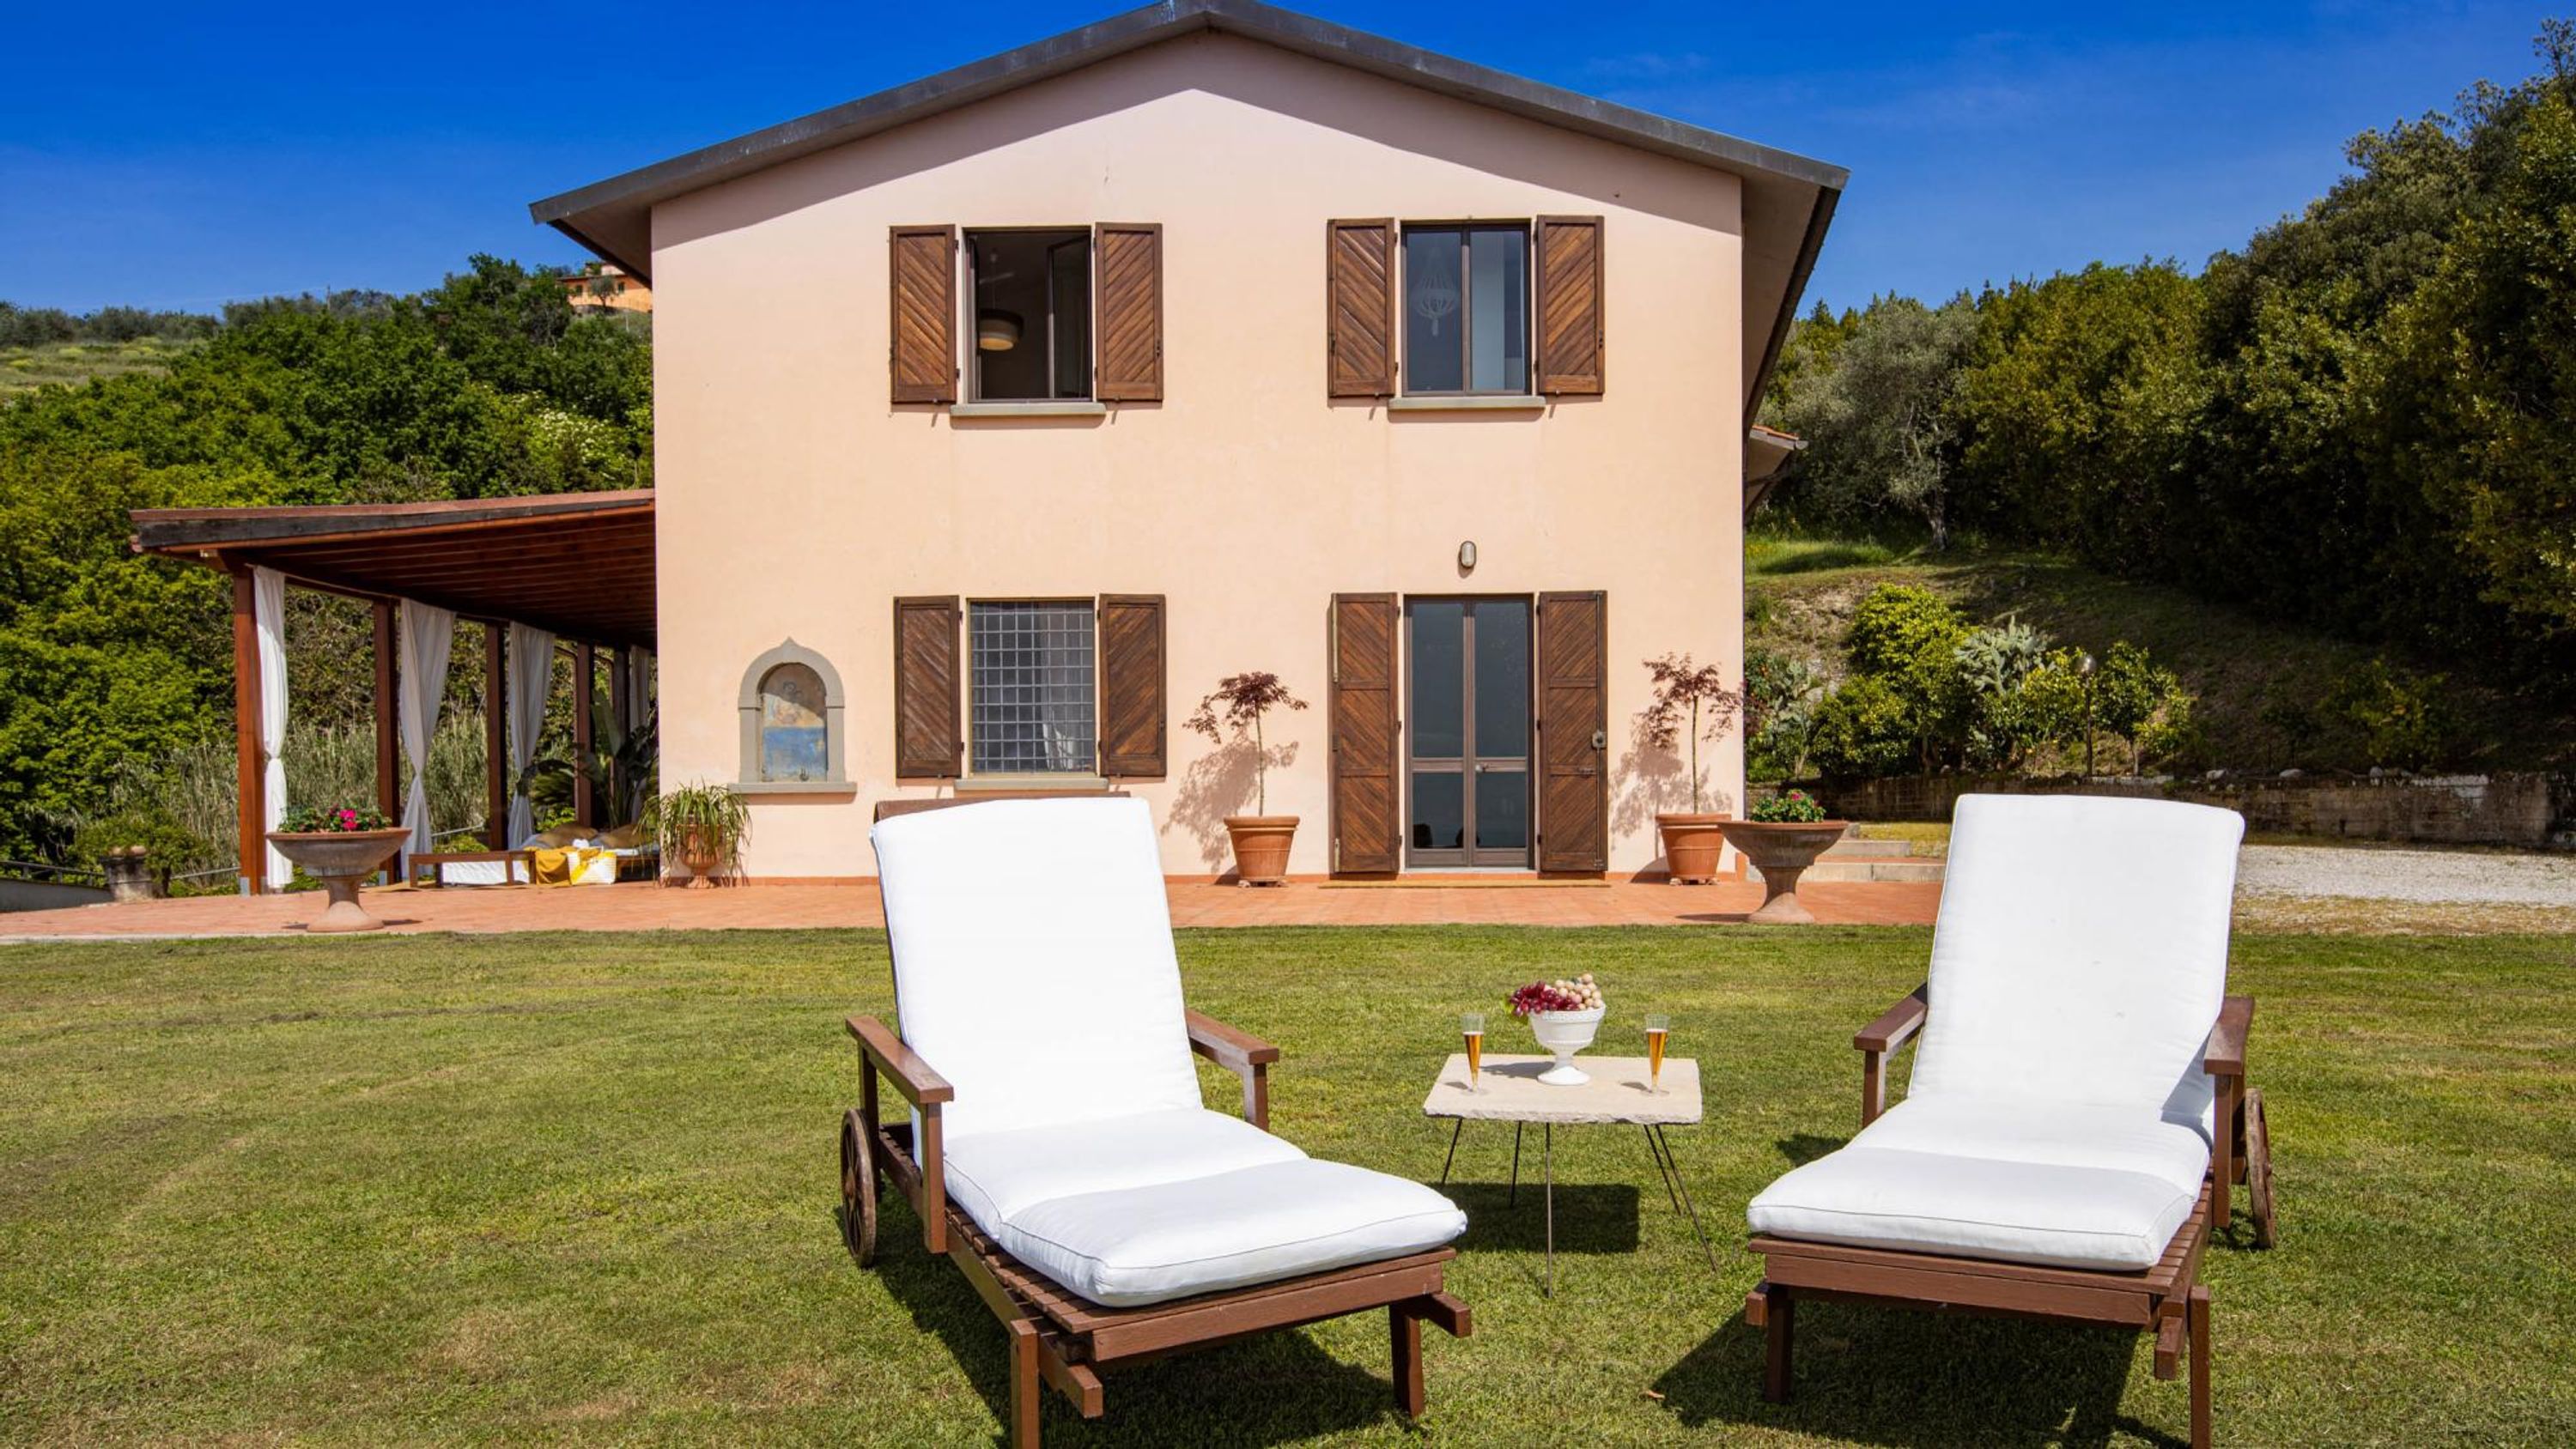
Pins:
<point x="2257" y="1136"/>
<point x="858" y="1189"/>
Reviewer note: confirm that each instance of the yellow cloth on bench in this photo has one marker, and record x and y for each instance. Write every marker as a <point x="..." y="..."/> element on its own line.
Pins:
<point x="573" y="865"/>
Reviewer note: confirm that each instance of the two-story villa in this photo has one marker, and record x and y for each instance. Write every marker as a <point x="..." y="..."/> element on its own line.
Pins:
<point x="1208" y="339"/>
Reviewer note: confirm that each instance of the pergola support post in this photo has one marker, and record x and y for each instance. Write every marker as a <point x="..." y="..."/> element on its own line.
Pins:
<point x="496" y="759"/>
<point x="389" y="790"/>
<point x="250" y="766"/>
<point x="585" y="801"/>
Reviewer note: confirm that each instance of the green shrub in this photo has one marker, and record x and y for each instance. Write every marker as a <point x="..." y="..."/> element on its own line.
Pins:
<point x="1864" y="728"/>
<point x="2404" y="718"/>
<point x="1789" y="807"/>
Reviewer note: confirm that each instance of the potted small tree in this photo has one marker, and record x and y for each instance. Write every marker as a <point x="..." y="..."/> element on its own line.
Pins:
<point x="339" y="845"/>
<point x="1234" y="711"/>
<point x="1691" y="703"/>
<point x="1784" y="836"/>
<point x="702" y="827"/>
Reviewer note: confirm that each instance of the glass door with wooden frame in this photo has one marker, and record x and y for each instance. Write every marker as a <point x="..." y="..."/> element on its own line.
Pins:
<point x="1467" y="732"/>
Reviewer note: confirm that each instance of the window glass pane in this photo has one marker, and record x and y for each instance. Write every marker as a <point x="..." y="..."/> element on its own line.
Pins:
<point x="1439" y="679"/>
<point x="1502" y="810"/>
<point x="1434" y="357"/>
<point x="1069" y="267"/>
<point x="1439" y="811"/>
<point x="1502" y="679"/>
<point x="793" y="745"/>
<point x="1498" y="297"/>
<point x="1029" y="689"/>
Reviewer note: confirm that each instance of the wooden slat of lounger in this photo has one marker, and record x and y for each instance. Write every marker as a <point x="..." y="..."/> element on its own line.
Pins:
<point x="2100" y="1295"/>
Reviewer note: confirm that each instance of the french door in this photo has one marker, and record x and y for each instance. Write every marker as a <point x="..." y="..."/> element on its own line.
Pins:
<point x="1467" y="732"/>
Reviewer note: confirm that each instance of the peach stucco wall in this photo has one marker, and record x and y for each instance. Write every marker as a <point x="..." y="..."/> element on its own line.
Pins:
<point x="795" y="501"/>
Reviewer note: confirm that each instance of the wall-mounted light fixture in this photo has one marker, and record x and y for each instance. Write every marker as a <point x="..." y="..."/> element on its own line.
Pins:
<point x="1467" y="557"/>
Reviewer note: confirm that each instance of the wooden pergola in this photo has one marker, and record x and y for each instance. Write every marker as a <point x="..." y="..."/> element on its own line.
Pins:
<point x="578" y="565"/>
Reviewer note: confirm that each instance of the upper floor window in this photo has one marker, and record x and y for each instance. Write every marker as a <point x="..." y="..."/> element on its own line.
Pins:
<point x="1032" y="315"/>
<point x="1466" y="309"/>
<point x="1031" y="704"/>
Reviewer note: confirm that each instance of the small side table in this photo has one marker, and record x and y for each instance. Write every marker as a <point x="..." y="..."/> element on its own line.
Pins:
<point x="1510" y="1091"/>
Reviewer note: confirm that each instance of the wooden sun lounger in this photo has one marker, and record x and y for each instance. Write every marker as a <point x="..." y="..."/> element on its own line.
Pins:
<point x="2168" y="1299"/>
<point x="1065" y="1341"/>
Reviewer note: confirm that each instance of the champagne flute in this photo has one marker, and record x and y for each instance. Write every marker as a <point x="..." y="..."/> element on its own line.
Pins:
<point x="1657" y="1027"/>
<point x="1471" y="1025"/>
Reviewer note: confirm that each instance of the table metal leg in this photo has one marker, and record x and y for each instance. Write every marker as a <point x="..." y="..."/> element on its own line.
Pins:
<point x="1515" y="1195"/>
<point x="1453" y="1151"/>
<point x="1547" y="1158"/>
<point x="1687" y="1205"/>
<point x="1663" y="1169"/>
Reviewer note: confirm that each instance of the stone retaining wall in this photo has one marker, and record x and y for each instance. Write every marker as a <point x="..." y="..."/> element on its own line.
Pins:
<point x="2531" y="810"/>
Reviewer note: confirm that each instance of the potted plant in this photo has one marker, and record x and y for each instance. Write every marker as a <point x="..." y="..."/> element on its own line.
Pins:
<point x="1260" y="839"/>
<point x="702" y="827"/>
<point x="339" y="845"/>
<point x="1691" y="703"/>
<point x="1784" y="837"/>
<point x="1564" y="1016"/>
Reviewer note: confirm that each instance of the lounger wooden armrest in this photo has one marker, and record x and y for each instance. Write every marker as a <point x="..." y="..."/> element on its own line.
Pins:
<point x="880" y="1050"/>
<point x="912" y="1076"/>
<point x="1240" y="1052"/>
<point x="1878" y="1040"/>
<point x="2225" y="1054"/>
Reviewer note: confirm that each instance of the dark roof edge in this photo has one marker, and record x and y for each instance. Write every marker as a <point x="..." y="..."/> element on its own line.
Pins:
<point x="1135" y="29"/>
<point x="158" y="529"/>
<point x="1790" y="296"/>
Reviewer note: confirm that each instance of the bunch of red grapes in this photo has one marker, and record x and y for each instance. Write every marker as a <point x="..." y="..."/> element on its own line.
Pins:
<point x="1578" y="994"/>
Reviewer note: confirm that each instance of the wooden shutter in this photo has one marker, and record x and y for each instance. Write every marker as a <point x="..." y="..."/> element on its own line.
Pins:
<point x="921" y="345"/>
<point x="1129" y="259"/>
<point x="1573" y="729"/>
<point x="1132" y="709"/>
<point x="1365" y="818"/>
<point x="926" y="743"/>
<point x="1359" y="316"/>
<point x="1569" y="304"/>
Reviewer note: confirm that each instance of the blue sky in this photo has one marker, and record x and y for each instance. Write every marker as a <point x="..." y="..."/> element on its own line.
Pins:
<point x="187" y="156"/>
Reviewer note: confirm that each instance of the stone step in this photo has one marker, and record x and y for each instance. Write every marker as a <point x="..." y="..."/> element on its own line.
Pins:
<point x="1867" y="868"/>
<point x="1852" y="847"/>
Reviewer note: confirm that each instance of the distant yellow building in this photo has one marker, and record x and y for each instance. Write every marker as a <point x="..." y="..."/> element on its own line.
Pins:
<point x="599" y="286"/>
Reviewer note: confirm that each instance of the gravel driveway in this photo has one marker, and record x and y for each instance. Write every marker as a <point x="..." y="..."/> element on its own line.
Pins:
<point x="2429" y="876"/>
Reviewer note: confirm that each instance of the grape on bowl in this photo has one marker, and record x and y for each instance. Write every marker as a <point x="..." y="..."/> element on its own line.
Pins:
<point x="1563" y="1015"/>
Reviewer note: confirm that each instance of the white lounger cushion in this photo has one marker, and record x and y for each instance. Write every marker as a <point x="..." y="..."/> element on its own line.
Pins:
<point x="2068" y="1186"/>
<point x="2058" y="1111"/>
<point x="1034" y="970"/>
<point x="1033" y="960"/>
<point x="1141" y="1245"/>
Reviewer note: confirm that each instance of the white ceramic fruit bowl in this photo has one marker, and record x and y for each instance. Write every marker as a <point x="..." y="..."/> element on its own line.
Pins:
<point x="1564" y="1033"/>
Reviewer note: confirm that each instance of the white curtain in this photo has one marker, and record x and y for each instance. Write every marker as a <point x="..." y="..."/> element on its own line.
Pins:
<point x="532" y="672"/>
<point x="268" y="613"/>
<point x="425" y="635"/>
<point x="639" y="683"/>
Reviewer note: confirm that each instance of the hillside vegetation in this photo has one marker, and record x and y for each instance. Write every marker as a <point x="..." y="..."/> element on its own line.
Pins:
<point x="2266" y="687"/>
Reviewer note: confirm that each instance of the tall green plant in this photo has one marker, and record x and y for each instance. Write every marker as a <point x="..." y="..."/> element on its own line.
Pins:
<point x="719" y="819"/>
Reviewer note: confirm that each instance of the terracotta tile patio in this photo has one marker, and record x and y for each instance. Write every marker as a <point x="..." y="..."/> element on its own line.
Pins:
<point x="645" y="907"/>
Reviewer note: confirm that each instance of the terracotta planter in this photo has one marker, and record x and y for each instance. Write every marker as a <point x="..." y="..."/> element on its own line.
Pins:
<point x="1261" y="847"/>
<point x="1782" y="850"/>
<point x="700" y="858"/>
<point x="1692" y="845"/>
<point x="340" y="859"/>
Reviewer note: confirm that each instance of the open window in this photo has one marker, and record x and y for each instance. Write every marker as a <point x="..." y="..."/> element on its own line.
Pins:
<point x="1032" y="308"/>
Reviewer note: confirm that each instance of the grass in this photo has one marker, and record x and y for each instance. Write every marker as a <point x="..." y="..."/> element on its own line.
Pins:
<point x="24" y="369"/>
<point x="582" y="1187"/>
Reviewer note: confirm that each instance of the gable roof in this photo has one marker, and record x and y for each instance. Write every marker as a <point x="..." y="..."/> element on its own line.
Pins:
<point x="1788" y="199"/>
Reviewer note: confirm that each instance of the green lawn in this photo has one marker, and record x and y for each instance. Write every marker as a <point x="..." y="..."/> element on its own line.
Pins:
<point x="582" y="1187"/>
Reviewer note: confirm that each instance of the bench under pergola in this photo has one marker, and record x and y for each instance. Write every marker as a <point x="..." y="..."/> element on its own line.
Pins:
<point x="577" y="565"/>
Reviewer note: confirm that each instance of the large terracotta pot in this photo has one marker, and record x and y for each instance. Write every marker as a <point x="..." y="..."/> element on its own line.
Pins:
<point x="699" y="857"/>
<point x="1782" y="850"/>
<point x="340" y="859"/>
<point x="1261" y="847"/>
<point x="1692" y="846"/>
